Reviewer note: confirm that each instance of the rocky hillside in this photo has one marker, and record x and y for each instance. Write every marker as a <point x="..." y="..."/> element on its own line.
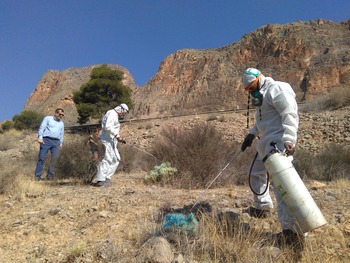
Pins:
<point x="316" y="130"/>
<point x="63" y="221"/>
<point x="313" y="56"/>
<point x="55" y="89"/>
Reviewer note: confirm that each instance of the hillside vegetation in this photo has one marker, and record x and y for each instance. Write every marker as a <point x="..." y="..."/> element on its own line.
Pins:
<point x="67" y="220"/>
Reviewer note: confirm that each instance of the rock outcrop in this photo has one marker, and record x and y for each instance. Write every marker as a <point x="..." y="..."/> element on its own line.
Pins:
<point x="55" y="89"/>
<point x="312" y="56"/>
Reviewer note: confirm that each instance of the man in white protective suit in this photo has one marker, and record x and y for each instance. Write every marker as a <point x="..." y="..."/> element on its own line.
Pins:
<point x="109" y="138"/>
<point x="276" y="120"/>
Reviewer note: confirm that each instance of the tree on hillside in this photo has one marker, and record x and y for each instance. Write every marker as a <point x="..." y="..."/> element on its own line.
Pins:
<point x="102" y="92"/>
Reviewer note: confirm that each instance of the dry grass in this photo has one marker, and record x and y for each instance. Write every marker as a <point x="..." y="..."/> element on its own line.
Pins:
<point x="333" y="163"/>
<point x="25" y="187"/>
<point x="64" y="221"/>
<point x="77" y="250"/>
<point x="7" y="178"/>
<point x="335" y="98"/>
<point x="341" y="183"/>
<point x="8" y="139"/>
<point x="112" y="238"/>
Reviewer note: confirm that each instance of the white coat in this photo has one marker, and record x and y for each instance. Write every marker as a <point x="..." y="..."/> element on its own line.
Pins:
<point x="110" y="133"/>
<point x="275" y="120"/>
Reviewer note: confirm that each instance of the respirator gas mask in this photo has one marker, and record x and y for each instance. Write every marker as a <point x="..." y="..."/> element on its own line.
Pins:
<point x="256" y="97"/>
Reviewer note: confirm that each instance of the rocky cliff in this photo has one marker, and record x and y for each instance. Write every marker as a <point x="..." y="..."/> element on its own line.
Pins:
<point x="55" y="89"/>
<point x="313" y="56"/>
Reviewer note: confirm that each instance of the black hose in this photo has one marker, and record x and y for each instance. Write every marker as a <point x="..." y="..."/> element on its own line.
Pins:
<point x="250" y="172"/>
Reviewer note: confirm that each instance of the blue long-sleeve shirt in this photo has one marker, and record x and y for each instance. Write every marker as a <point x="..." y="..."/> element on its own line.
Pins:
<point x="50" y="127"/>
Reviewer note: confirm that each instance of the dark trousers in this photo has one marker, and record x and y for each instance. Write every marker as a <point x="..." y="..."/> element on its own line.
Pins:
<point x="52" y="145"/>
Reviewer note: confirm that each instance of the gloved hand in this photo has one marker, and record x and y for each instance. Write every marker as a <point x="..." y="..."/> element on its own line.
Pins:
<point x="290" y="148"/>
<point x="248" y="140"/>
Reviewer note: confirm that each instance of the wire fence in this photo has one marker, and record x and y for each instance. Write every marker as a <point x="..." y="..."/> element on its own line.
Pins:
<point x="90" y="127"/>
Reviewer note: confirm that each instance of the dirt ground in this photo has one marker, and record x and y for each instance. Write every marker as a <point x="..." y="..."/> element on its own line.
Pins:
<point x="50" y="224"/>
<point x="61" y="221"/>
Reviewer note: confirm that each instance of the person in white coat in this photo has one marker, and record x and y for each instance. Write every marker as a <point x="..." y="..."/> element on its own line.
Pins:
<point x="276" y="120"/>
<point x="109" y="138"/>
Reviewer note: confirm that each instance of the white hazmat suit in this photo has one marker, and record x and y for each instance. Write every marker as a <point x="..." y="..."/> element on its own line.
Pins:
<point x="277" y="120"/>
<point x="109" y="138"/>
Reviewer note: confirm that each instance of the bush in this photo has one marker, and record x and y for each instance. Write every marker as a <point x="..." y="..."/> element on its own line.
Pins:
<point x="331" y="164"/>
<point x="196" y="153"/>
<point x="27" y="120"/>
<point x="75" y="162"/>
<point x="336" y="98"/>
<point x="134" y="159"/>
<point x="305" y="164"/>
<point x="160" y="172"/>
<point x="335" y="162"/>
<point x="238" y="171"/>
<point x="7" y="125"/>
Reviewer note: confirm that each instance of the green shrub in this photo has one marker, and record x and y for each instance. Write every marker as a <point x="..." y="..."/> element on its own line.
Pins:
<point x="27" y="120"/>
<point x="7" y="125"/>
<point x="160" y="173"/>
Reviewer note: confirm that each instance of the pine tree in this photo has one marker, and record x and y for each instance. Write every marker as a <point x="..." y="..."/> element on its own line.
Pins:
<point x="102" y="92"/>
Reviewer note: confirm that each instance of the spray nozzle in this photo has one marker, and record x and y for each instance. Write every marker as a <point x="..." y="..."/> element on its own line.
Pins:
<point x="273" y="151"/>
<point x="274" y="145"/>
<point x="275" y="148"/>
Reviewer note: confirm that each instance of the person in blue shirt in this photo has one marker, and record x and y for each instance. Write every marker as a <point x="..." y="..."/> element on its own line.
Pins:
<point x="50" y="138"/>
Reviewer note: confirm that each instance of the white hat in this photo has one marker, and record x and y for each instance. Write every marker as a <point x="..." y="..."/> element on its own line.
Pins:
<point x="249" y="76"/>
<point x="124" y="107"/>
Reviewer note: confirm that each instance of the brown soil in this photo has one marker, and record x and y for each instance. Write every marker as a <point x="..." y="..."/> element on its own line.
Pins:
<point x="61" y="221"/>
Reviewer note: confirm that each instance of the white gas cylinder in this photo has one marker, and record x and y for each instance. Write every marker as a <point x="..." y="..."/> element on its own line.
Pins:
<point x="294" y="192"/>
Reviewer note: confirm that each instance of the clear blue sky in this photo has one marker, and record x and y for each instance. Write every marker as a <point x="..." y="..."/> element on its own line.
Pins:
<point x="39" y="35"/>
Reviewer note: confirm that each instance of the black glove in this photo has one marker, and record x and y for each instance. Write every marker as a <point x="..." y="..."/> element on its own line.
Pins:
<point x="248" y="140"/>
